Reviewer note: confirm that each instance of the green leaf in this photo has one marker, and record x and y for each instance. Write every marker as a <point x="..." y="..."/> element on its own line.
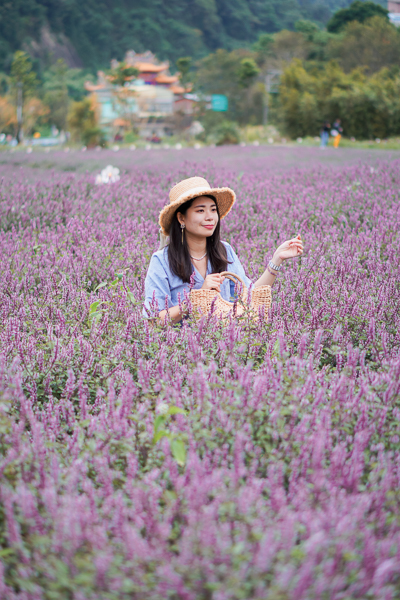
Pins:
<point x="101" y="285"/>
<point x="131" y="297"/>
<point x="160" y="434"/>
<point x="158" y="421"/>
<point x="7" y="551"/>
<point x="175" y="410"/>
<point x="238" y="548"/>
<point x="95" y="315"/>
<point x="94" y="305"/>
<point x="178" y="451"/>
<point x="84" y="423"/>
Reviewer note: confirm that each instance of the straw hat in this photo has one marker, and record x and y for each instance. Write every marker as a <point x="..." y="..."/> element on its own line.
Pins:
<point x="191" y="188"/>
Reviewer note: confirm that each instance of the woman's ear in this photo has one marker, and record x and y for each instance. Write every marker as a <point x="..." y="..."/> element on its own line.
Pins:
<point x="180" y="218"/>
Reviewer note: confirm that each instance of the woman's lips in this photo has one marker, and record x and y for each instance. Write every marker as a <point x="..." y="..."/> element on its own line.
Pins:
<point x="209" y="226"/>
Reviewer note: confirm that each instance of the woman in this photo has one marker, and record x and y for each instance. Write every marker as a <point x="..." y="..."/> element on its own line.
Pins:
<point x="325" y="134"/>
<point x="195" y="256"/>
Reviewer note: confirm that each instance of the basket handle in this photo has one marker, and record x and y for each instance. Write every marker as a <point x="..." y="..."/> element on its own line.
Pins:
<point x="235" y="278"/>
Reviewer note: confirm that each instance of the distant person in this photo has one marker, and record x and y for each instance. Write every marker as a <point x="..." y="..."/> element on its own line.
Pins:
<point x="336" y="132"/>
<point x="325" y="134"/>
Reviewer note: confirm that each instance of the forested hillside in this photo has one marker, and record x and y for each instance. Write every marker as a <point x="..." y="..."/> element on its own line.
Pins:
<point x="89" y="33"/>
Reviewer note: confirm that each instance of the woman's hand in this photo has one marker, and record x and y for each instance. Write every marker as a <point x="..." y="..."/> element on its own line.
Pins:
<point x="213" y="282"/>
<point x="289" y="249"/>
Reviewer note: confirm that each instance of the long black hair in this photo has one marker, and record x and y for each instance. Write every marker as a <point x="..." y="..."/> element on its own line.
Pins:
<point x="178" y="253"/>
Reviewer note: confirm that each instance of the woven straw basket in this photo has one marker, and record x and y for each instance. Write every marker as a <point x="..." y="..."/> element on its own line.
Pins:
<point x="202" y="300"/>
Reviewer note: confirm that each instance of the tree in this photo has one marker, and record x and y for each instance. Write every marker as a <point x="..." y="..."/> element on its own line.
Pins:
<point x="23" y="84"/>
<point x="288" y="45"/>
<point x="8" y="116"/>
<point x="224" y="73"/>
<point x="369" y="107"/>
<point x="4" y="84"/>
<point x="124" y="103"/>
<point x="56" y="93"/>
<point x="357" y="11"/>
<point x="22" y="72"/>
<point x="183" y="65"/>
<point x="83" y="122"/>
<point x="97" y="31"/>
<point x="307" y="28"/>
<point x="60" y="77"/>
<point x="263" y="47"/>
<point x="374" y="44"/>
<point x="248" y="71"/>
<point x="122" y="73"/>
<point x="35" y="113"/>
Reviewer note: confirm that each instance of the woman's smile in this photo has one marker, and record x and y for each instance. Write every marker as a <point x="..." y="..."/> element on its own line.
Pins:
<point x="210" y="226"/>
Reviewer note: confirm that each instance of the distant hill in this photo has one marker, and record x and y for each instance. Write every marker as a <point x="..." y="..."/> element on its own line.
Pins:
<point x="88" y="33"/>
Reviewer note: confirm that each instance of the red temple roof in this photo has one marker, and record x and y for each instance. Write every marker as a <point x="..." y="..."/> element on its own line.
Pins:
<point x="166" y="78"/>
<point x="149" y="67"/>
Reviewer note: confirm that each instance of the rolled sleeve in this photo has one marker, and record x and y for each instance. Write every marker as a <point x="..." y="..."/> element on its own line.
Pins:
<point x="157" y="289"/>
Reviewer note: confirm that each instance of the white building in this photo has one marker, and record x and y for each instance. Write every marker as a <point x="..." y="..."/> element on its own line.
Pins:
<point x="394" y="12"/>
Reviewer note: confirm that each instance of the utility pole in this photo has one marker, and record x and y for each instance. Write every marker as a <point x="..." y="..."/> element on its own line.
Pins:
<point x="271" y="79"/>
<point x="19" y="111"/>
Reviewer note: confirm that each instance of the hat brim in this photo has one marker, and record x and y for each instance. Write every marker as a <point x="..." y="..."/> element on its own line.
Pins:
<point x="224" y="197"/>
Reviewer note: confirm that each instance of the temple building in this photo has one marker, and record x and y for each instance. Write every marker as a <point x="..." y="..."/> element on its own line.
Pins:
<point x="394" y="12"/>
<point x="152" y="72"/>
<point x="145" y="101"/>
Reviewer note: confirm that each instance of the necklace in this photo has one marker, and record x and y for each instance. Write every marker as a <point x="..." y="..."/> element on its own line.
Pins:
<point x="201" y="257"/>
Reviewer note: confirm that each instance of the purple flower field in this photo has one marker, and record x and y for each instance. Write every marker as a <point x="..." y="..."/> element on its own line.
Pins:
<point x="259" y="159"/>
<point x="208" y="462"/>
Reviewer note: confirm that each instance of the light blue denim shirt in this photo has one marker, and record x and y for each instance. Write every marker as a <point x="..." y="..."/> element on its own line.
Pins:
<point x="165" y="286"/>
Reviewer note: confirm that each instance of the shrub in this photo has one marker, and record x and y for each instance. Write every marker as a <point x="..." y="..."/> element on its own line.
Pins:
<point x="226" y="133"/>
<point x="83" y="123"/>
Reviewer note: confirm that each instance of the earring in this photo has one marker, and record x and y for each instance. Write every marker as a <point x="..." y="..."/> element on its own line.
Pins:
<point x="182" y="227"/>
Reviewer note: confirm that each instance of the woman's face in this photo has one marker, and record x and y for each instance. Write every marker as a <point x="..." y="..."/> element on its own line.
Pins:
<point x="201" y="218"/>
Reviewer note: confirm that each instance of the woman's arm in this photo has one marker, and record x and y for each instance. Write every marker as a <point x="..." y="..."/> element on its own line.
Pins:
<point x="289" y="249"/>
<point x="176" y="314"/>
